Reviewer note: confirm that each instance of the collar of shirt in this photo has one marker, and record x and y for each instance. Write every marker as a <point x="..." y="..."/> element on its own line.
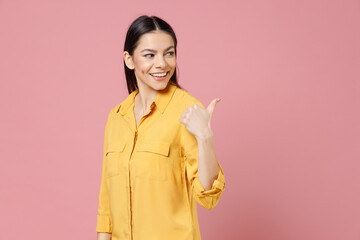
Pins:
<point x="161" y="101"/>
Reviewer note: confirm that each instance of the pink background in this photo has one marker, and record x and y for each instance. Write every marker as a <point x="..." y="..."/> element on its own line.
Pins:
<point x="287" y="130"/>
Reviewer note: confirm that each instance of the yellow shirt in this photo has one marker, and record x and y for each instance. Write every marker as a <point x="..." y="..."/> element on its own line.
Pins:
<point x="149" y="180"/>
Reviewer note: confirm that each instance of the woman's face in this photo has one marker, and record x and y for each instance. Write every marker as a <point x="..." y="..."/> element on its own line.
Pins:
<point x="155" y="54"/>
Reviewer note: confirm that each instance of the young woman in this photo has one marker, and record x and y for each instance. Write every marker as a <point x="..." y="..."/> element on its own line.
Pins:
<point x="158" y="158"/>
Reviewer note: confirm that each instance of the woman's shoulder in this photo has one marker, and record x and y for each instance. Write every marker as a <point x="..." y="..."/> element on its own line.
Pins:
<point x="187" y="98"/>
<point x="114" y="109"/>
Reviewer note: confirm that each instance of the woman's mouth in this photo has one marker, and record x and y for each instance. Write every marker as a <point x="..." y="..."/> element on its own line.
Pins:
<point x="159" y="76"/>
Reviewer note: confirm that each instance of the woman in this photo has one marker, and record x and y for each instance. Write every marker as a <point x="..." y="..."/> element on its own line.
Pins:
<point x="159" y="157"/>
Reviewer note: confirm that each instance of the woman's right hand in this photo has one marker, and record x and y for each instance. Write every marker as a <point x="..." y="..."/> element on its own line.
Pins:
<point x="103" y="236"/>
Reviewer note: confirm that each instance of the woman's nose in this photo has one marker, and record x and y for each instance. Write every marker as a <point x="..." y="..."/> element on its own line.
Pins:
<point x="160" y="62"/>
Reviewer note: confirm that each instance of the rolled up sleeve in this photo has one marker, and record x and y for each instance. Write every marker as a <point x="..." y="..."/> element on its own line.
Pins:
<point x="104" y="224"/>
<point x="209" y="198"/>
<point x="104" y="221"/>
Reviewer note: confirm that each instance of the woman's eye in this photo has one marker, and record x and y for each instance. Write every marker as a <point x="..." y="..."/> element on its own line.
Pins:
<point x="151" y="55"/>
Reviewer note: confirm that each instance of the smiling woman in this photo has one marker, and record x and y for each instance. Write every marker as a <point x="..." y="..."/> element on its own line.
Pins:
<point x="158" y="156"/>
<point x="150" y="48"/>
<point x="150" y="61"/>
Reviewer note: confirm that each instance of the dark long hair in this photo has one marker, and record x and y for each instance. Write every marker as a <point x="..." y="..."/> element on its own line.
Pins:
<point x="139" y="27"/>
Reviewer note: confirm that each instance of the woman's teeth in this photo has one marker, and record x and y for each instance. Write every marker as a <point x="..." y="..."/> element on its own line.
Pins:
<point x="158" y="75"/>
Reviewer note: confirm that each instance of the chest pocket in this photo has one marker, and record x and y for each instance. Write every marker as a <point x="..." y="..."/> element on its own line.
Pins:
<point x="113" y="156"/>
<point x="153" y="160"/>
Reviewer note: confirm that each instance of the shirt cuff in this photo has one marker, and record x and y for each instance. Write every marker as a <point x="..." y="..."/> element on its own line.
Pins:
<point x="217" y="186"/>
<point x="104" y="224"/>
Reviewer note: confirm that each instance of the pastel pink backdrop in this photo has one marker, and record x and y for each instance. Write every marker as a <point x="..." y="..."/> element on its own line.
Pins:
<point x="286" y="130"/>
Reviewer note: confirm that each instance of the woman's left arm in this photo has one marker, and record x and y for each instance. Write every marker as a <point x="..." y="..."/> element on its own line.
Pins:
<point x="204" y="172"/>
<point x="197" y="121"/>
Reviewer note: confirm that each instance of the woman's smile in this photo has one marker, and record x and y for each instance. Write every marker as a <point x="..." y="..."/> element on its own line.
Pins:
<point x="159" y="76"/>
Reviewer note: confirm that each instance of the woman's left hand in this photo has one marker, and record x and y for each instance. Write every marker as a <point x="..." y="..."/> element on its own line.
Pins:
<point x="197" y="119"/>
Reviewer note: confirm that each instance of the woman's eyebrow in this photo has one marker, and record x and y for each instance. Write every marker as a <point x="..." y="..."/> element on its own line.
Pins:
<point x="151" y="50"/>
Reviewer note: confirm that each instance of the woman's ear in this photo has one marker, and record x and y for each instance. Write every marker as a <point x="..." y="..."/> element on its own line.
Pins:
<point x="128" y="60"/>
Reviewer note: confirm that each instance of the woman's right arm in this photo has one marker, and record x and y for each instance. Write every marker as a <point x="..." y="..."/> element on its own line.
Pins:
<point x="104" y="221"/>
<point x="103" y="236"/>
